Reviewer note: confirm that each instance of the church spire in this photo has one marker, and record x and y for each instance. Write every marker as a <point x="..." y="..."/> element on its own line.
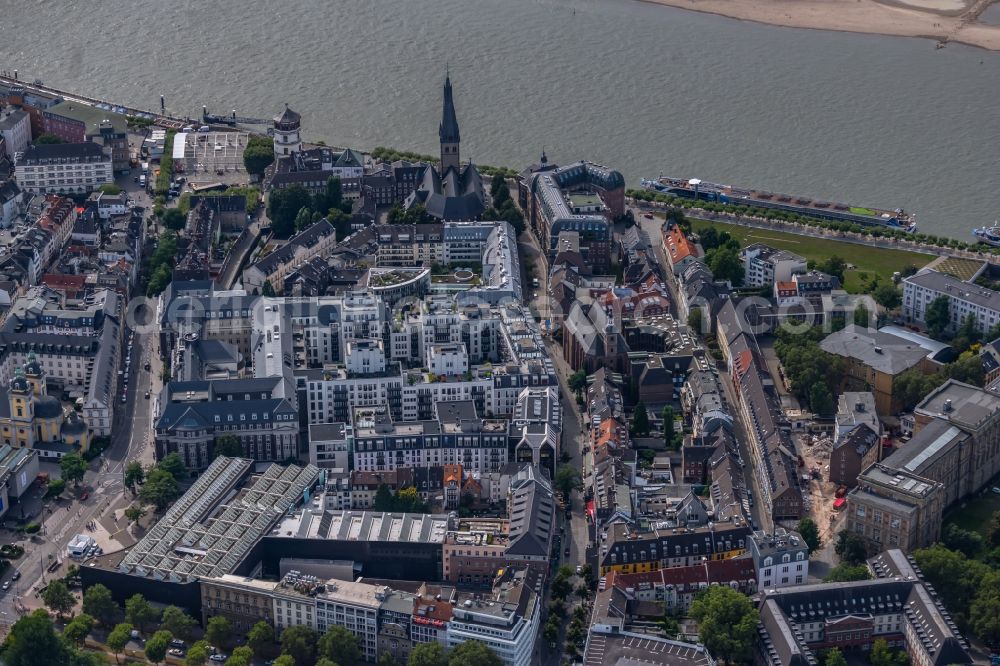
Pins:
<point x="448" y="130"/>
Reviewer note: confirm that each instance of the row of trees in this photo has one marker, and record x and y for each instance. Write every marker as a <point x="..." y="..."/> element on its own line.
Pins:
<point x="502" y="207"/>
<point x="787" y="216"/>
<point x="160" y="264"/>
<point x="298" y="645"/>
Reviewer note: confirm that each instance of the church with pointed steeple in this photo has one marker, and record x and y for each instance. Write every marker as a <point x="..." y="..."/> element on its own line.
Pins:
<point x="453" y="191"/>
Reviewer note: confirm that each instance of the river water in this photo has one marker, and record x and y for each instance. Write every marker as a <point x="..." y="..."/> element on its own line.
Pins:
<point x="863" y="119"/>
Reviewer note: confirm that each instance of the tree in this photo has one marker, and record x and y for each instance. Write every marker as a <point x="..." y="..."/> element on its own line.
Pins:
<point x="955" y="578"/>
<point x="408" y="500"/>
<point x="140" y="612"/>
<point x="33" y="642"/>
<point x="984" y="615"/>
<point x="809" y="532"/>
<point x="58" y="597"/>
<point x="119" y="638"/>
<point x="303" y="219"/>
<point x="283" y="206"/>
<point x="834" y="657"/>
<point x="427" y="654"/>
<point x="862" y="317"/>
<point x="178" y="623"/>
<point x="56" y="488"/>
<point x="332" y="196"/>
<point x="833" y="265"/>
<point x="218" y="631"/>
<point x="709" y="238"/>
<point x="383" y="498"/>
<point x="668" y="425"/>
<point x="887" y="295"/>
<point x="846" y="572"/>
<point x="260" y="638"/>
<point x="73" y="468"/>
<point x="937" y="316"/>
<point x="174" y="466"/>
<point x="228" y="445"/>
<point x="994" y="529"/>
<point x="173" y="218"/>
<point x="98" y="603"/>
<point x="567" y="480"/>
<point x="109" y="188"/>
<point x="340" y="646"/>
<point x="258" y="155"/>
<point x="694" y="320"/>
<point x="725" y="264"/>
<point x="640" y="420"/>
<point x="160" y="489"/>
<point x="416" y="214"/>
<point x="577" y="382"/>
<point x="77" y="630"/>
<point x="965" y="541"/>
<point x="820" y="399"/>
<point x="968" y="368"/>
<point x="851" y="548"/>
<point x="881" y="655"/>
<point x="135" y="512"/>
<point x="727" y="623"/>
<point x="495" y="183"/>
<point x="473" y="652"/>
<point x="48" y="137"/>
<point x="134" y="475"/>
<point x="197" y="654"/>
<point x="284" y="660"/>
<point x="242" y="656"/>
<point x="299" y="642"/>
<point x="156" y="646"/>
<point x="266" y="289"/>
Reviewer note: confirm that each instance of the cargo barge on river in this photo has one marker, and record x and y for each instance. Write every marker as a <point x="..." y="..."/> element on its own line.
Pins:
<point x="694" y="188"/>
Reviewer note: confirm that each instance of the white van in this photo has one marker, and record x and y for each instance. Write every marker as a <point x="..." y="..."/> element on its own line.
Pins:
<point x="142" y="180"/>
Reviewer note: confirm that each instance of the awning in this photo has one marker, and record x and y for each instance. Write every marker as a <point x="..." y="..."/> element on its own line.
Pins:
<point x="839" y="503"/>
<point x="591" y="511"/>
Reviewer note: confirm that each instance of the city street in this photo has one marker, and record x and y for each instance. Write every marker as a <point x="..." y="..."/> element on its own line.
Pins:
<point x="131" y="440"/>
<point x="653" y="228"/>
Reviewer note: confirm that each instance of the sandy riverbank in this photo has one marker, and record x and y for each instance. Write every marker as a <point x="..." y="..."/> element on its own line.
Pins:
<point x="948" y="20"/>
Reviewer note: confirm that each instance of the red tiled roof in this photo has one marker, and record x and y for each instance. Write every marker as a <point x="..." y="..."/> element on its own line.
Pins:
<point x="678" y="245"/>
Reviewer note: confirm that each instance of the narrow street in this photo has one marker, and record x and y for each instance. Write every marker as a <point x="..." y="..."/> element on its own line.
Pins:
<point x="130" y="440"/>
<point x="652" y="227"/>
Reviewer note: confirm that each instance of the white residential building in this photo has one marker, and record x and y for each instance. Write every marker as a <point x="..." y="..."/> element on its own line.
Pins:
<point x="64" y="168"/>
<point x="763" y="265"/>
<point x="15" y="128"/>
<point x="781" y="559"/>
<point x="964" y="299"/>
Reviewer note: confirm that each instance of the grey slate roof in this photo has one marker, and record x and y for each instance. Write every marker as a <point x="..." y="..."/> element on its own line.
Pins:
<point x="878" y="350"/>
<point x="532" y="514"/>
<point x="448" y="129"/>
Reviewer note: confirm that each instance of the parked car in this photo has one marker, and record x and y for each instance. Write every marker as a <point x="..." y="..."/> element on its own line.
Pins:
<point x="177" y="643"/>
<point x="85" y="496"/>
<point x="147" y="395"/>
<point x="135" y="634"/>
<point x="6" y="585"/>
<point x="218" y="657"/>
<point x="16" y="576"/>
<point x="176" y="652"/>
